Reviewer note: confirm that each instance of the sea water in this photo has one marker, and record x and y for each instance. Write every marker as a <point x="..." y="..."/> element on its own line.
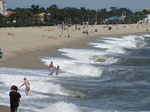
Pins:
<point x="114" y="76"/>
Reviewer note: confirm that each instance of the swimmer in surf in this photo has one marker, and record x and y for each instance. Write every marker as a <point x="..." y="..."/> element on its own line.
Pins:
<point x="27" y="84"/>
<point x="51" y="68"/>
<point x="57" y="70"/>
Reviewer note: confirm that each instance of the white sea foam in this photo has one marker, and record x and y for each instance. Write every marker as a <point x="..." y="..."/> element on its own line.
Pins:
<point x="117" y="45"/>
<point x="80" y="62"/>
<point x="75" y="68"/>
<point x="82" y="55"/>
<point x="62" y="107"/>
<point x="147" y="35"/>
<point x="47" y="87"/>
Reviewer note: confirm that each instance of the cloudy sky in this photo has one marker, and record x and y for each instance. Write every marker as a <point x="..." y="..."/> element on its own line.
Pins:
<point x="133" y="5"/>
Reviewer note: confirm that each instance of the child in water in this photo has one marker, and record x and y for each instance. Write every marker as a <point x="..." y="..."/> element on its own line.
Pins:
<point x="57" y="70"/>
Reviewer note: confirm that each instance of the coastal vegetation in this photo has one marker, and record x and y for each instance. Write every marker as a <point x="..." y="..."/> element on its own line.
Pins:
<point x="40" y="16"/>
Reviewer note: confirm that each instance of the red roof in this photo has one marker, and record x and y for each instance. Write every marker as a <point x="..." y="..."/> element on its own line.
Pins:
<point x="2" y="0"/>
<point x="9" y="12"/>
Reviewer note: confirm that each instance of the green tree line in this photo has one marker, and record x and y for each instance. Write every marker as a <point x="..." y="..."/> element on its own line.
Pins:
<point x="53" y="15"/>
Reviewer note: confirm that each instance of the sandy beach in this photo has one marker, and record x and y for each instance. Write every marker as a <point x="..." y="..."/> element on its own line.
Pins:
<point x="23" y="47"/>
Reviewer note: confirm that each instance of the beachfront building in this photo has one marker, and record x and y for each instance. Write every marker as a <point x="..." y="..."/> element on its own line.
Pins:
<point x="147" y="19"/>
<point x="9" y="12"/>
<point x="2" y="7"/>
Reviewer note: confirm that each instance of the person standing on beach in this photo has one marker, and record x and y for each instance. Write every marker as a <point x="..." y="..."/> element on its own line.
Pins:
<point x="27" y="84"/>
<point x="1" y="56"/>
<point x="14" y="98"/>
<point x="51" y="68"/>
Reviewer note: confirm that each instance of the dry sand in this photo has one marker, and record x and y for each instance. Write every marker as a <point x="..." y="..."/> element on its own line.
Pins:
<point x="22" y="47"/>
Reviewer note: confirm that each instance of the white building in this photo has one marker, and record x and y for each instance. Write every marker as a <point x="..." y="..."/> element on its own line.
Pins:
<point x="147" y="19"/>
<point x="2" y="7"/>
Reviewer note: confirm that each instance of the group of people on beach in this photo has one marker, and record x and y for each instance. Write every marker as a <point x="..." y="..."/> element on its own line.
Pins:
<point x="15" y="95"/>
<point x="10" y="34"/>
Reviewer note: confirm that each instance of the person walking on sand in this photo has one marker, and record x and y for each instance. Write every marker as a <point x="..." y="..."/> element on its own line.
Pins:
<point x="27" y="84"/>
<point x="51" y="68"/>
<point x="1" y="56"/>
<point x="14" y="98"/>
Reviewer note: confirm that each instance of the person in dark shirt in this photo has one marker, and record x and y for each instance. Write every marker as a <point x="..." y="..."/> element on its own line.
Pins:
<point x="14" y="98"/>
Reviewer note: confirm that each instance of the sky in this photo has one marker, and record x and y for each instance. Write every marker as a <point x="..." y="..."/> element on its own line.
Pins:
<point x="133" y="5"/>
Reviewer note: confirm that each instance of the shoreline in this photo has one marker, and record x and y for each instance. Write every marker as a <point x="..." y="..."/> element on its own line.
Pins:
<point x="19" y="60"/>
<point x="30" y="58"/>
